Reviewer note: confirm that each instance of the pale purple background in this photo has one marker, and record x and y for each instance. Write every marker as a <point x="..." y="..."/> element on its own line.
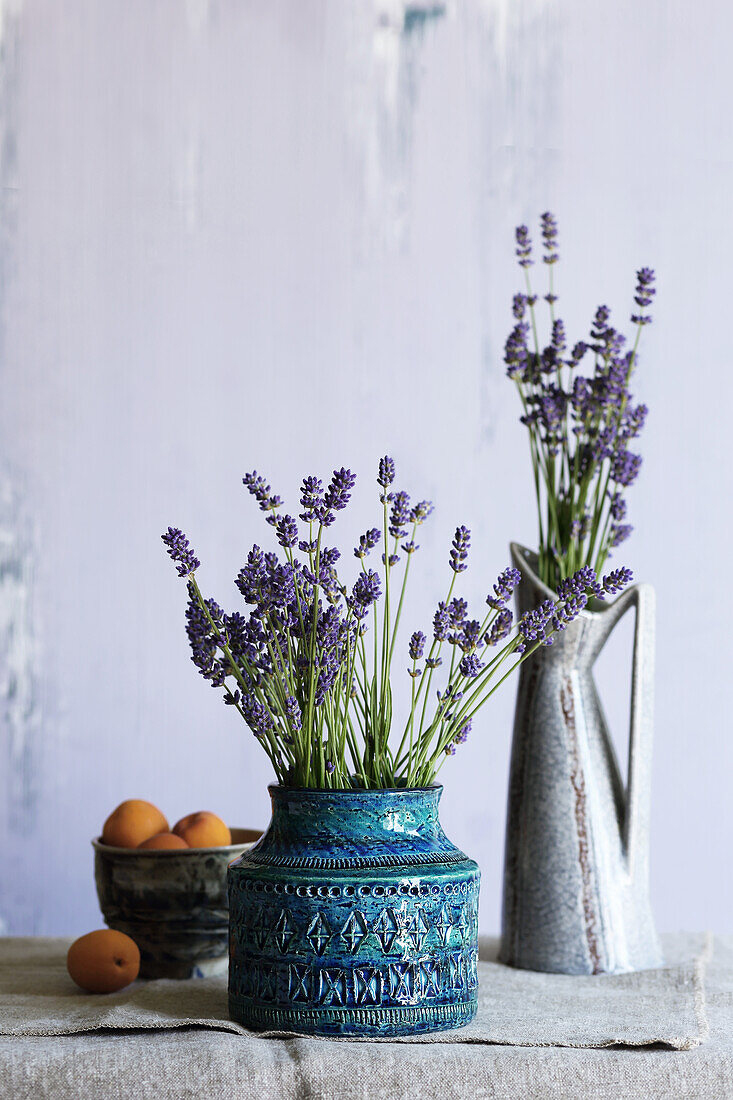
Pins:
<point x="279" y="235"/>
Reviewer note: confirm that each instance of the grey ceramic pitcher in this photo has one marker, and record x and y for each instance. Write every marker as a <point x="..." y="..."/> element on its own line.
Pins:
<point x="576" y="871"/>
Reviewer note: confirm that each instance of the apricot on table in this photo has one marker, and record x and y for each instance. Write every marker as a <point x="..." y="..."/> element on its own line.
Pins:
<point x="133" y="822"/>
<point x="163" y="840"/>
<point x="103" y="961"/>
<point x="203" y="830"/>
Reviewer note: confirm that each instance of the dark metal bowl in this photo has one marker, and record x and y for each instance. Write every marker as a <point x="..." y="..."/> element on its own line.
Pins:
<point x="171" y="902"/>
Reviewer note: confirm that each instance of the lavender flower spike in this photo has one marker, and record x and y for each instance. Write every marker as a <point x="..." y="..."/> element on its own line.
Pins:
<point x="261" y="491"/>
<point x="459" y="551"/>
<point x="367" y="542"/>
<point x="386" y="472"/>
<point x="524" y="246"/>
<point x="287" y="531"/>
<point x="365" y="592"/>
<point x="505" y="585"/>
<point x="617" y="579"/>
<point x="417" y="645"/>
<point x="177" y="546"/>
<point x="645" y="291"/>
<point x="549" y="237"/>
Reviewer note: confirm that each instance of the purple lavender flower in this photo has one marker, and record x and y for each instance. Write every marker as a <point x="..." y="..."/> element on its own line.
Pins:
<point x="577" y="354"/>
<point x="516" y="352"/>
<point x="203" y="640"/>
<point x="459" y="551"/>
<point x="559" y="340"/>
<point x="619" y="533"/>
<point x="420" y="512"/>
<point x="329" y="556"/>
<point x="617" y="579"/>
<point x="386" y="472"/>
<point x="519" y="306"/>
<point x="181" y="553"/>
<point x="417" y="645"/>
<point x="534" y="623"/>
<point x="311" y="498"/>
<point x="433" y="662"/>
<point x="393" y="559"/>
<point x="470" y="666"/>
<point x="293" y="713"/>
<point x="441" y="623"/>
<point x="618" y="507"/>
<point x="366" y="590"/>
<point x="600" y="323"/>
<point x="337" y="495"/>
<point x="256" y="715"/>
<point x="457" y="609"/>
<point x="505" y="585"/>
<point x="524" y="246"/>
<point x="252" y="575"/>
<point x="400" y="515"/>
<point x="500" y="627"/>
<point x="367" y="542"/>
<point x="459" y="739"/>
<point x="549" y="238"/>
<point x="286" y="530"/>
<point x="645" y="291"/>
<point x="633" y="421"/>
<point x="330" y="767"/>
<point x="584" y="580"/>
<point x="625" y="468"/>
<point x="469" y="636"/>
<point x="261" y="491"/>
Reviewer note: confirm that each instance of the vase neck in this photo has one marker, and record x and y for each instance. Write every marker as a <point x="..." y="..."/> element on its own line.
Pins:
<point x="364" y="825"/>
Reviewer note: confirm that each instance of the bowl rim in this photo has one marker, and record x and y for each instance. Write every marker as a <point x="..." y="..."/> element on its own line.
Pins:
<point x="99" y="845"/>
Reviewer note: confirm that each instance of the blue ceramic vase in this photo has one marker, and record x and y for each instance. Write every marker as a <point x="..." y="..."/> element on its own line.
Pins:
<point x="354" y="915"/>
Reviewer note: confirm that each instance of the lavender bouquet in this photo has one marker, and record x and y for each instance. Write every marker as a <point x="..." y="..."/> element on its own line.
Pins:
<point x="309" y="666"/>
<point x="581" y="427"/>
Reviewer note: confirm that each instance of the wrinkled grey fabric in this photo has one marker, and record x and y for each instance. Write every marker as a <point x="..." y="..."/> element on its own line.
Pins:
<point x="505" y="1053"/>
<point x="517" y="1007"/>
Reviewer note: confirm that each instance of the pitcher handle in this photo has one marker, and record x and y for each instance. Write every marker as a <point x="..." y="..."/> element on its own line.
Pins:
<point x="641" y="724"/>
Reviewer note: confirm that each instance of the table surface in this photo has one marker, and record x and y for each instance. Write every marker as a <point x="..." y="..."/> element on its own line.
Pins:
<point x="196" y="1063"/>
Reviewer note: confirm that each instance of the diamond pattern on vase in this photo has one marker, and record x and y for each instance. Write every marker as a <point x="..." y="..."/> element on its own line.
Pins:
<point x="259" y="928"/>
<point x="354" y="931"/>
<point x="283" y="931"/>
<point x="266" y="982"/>
<point x="416" y="928"/>
<point x="430" y="977"/>
<point x="333" y="987"/>
<point x="319" y="933"/>
<point x="298" y="982"/>
<point x="455" y="969"/>
<point x="367" y="986"/>
<point x="387" y="928"/>
<point x="444" y="925"/>
<point x="402" y="981"/>
<point x="460" y="923"/>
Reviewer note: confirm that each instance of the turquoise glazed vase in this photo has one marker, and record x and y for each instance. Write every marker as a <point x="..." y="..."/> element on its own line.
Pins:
<point x="355" y="916"/>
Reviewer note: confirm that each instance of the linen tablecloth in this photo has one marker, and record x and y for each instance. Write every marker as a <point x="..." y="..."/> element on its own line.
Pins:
<point x="191" y="1063"/>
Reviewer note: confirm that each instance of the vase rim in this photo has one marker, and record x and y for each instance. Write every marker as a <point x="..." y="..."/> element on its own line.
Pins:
<point x="281" y="788"/>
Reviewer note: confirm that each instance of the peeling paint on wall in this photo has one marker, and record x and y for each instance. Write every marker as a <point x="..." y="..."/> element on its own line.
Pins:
<point x="386" y="86"/>
<point x="19" y="697"/>
<point x="19" y="702"/>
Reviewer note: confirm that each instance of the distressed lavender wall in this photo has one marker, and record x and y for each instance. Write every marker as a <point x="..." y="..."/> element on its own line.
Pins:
<point x="279" y="234"/>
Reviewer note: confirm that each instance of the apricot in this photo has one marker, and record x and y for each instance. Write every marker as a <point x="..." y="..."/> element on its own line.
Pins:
<point x="133" y="822"/>
<point x="163" y="840"/>
<point x="203" y="830"/>
<point x="103" y="961"/>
